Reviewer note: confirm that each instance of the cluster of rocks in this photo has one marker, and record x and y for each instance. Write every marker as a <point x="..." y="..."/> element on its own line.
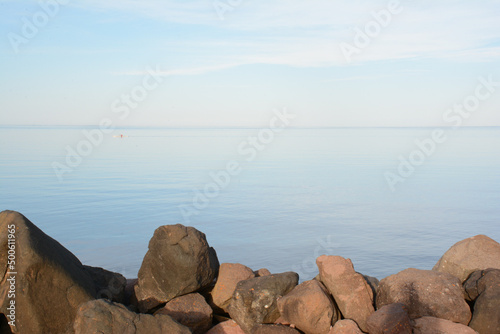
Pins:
<point x="182" y="288"/>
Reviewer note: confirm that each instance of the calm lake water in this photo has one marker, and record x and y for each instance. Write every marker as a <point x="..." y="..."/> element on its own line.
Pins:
<point x="304" y="193"/>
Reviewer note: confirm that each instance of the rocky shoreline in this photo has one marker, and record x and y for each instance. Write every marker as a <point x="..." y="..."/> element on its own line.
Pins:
<point x="182" y="288"/>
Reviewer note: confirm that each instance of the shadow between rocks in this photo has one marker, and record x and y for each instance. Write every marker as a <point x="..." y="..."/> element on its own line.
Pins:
<point x="4" y="325"/>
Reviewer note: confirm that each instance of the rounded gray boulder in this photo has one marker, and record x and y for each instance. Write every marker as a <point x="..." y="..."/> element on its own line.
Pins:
<point x="179" y="261"/>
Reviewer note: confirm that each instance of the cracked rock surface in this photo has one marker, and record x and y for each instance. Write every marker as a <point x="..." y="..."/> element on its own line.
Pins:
<point x="483" y="288"/>
<point x="255" y="300"/>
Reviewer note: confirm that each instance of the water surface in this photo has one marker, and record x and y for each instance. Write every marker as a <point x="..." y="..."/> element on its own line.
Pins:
<point x="305" y="193"/>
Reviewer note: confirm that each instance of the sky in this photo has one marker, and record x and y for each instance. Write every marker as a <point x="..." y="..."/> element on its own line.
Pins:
<point x="221" y="63"/>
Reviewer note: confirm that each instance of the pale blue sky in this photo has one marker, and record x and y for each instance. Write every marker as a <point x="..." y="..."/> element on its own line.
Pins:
<point x="264" y="54"/>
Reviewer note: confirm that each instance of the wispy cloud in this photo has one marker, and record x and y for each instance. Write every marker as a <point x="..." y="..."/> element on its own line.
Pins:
<point x="308" y="33"/>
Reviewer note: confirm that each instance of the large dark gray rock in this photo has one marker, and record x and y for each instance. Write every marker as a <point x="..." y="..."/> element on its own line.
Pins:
<point x="254" y="301"/>
<point x="105" y="317"/>
<point x="483" y="287"/>
<point x="51" y="283"/>
<point x="425" y="293"/>
<point x="179" y="261"/>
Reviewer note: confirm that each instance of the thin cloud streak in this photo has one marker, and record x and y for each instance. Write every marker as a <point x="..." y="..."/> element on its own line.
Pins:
<point x="309" y="34"/>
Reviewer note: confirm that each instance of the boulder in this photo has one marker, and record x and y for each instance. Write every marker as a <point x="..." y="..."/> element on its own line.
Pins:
<point x="51" y="283"/>
<point x="425" y="293"/>
<point x="479" y="281"/>
<point x="109" y="285"/>
<point x="274" y="329"/>
<point x="262" y="272"/>
<point x="431" y="325"/>
<point x="179" y="261"/>
<point x="191" y="311"/>
<point x="389" y="319"/>
<point x="350" y="290"/>
<point x="309" y="307"/>
<point x="483" y="287"/>
<point x="466" y="256"/>
<point x="346" y="326"/>
<point x="254" y="301"/>
<point x="226" y="327"/>
<point x="229" y="275"/>
<point x="105" y="317"/>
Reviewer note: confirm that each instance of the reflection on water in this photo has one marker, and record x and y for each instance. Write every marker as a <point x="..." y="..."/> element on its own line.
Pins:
<point x="308" y="192"/>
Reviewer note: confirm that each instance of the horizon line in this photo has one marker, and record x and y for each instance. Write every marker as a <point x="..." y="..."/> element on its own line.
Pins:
<point x="239" y="126"/>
